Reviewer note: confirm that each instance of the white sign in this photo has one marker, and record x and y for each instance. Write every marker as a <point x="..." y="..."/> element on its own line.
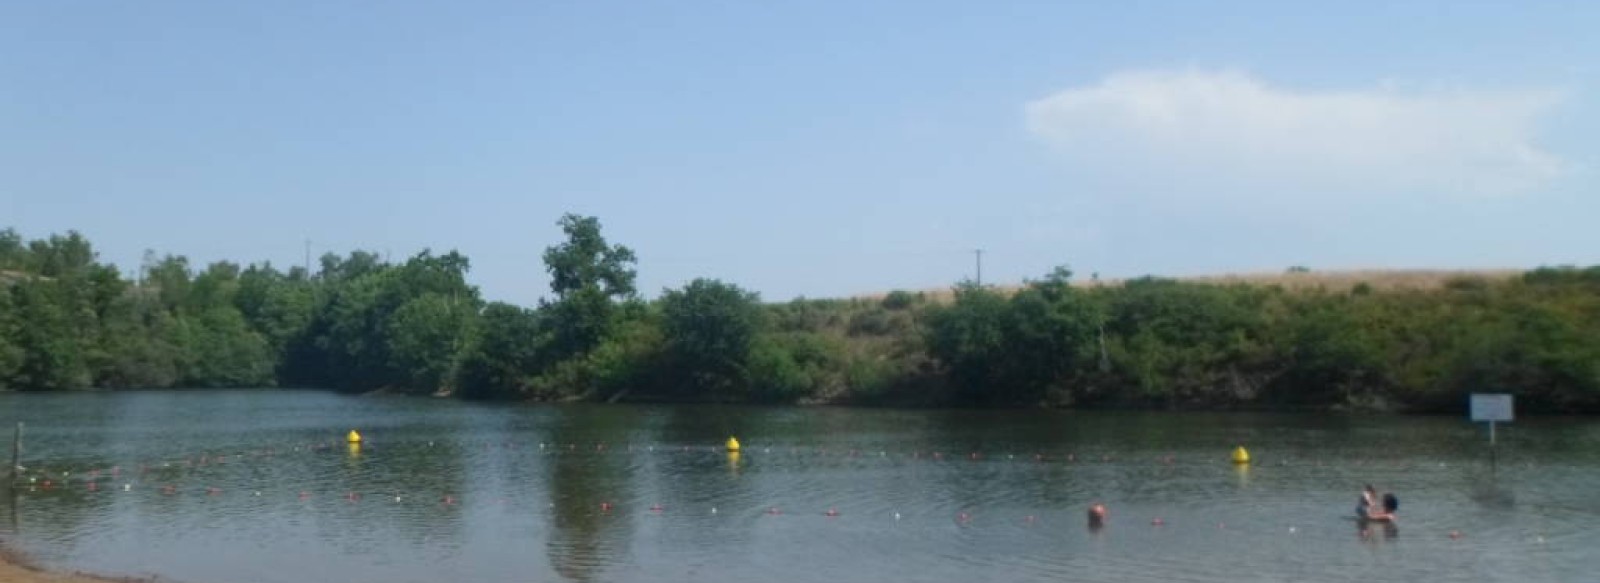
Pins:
<point x="1491" y="407"/>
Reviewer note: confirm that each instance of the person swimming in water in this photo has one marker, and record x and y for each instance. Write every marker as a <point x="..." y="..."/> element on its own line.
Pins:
<point x="1369" y="501"/>
<point x="1097" y="516"/>
<point x="1391" y="504"/>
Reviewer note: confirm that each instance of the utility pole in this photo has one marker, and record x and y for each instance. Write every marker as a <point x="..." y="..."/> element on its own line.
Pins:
<point x="978" y="253"/>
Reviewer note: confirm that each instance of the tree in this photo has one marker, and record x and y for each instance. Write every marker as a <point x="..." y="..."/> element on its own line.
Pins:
<point x="1050" y="335"/>
<point x="709" y="328"/>
<point x="588" y="276"/>
<point x="426" y="337"/>
<point x="227" y="353"/>
<point x="968" y="338"/>
<point x="11" y="355"/>
<point x="52" y="352"/>
<point x="505" y="349"/>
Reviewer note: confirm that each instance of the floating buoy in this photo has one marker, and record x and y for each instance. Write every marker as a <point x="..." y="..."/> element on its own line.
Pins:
<point x="713" y="509"/>
<point x="352" y="437"/>
<point x="774" y="511"/>
<point x="1157" y="522"/>
<point x="831" y="512"/>
<point x="1455" y="535"/>
<point x="655" y="508"/>
<point x="1240" y="455"/>
<point x="733" y="444"/>
<point x="605" y="507"/>
<point x="897" y="516"/>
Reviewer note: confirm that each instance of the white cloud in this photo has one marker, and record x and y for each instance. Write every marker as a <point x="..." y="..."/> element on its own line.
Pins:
<point x="1216" y="131"/>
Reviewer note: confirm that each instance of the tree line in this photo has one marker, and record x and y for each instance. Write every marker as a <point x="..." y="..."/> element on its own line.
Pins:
<point x="360" y="323"/>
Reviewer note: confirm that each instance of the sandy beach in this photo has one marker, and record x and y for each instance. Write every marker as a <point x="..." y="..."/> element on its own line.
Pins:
<point x="15" y="568"/>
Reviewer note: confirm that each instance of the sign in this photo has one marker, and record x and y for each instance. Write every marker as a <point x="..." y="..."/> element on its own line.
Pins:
<point x="1491" y="407"/>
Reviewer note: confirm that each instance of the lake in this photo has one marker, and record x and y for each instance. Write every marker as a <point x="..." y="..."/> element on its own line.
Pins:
<point x="259" y="487"/>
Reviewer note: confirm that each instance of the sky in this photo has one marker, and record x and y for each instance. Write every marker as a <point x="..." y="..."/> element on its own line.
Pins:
<point x="811" y="148"/>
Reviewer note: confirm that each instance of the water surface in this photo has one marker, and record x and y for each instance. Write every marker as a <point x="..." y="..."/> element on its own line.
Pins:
<point x="258" y="487"/>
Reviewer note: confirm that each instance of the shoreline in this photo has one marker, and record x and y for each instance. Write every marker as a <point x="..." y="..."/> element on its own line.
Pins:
<point x="16" y="567"/>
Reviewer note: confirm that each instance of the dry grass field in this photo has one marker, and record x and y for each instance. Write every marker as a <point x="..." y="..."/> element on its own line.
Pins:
<point x="1335" y="281"/>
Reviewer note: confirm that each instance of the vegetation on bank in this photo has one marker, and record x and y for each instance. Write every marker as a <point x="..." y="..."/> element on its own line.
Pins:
<point x="359" y="323"/>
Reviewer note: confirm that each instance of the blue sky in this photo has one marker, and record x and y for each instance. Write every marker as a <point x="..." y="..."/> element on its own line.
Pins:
<point x="811" y="148"/>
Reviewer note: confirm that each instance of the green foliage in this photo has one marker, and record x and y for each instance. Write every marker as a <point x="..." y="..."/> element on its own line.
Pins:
<point x="427" y="338"/>
<point x="969" y="338"/>
<point x="899" y="300"/>
<point x="52" y="352"/>
<point x="505" y="349"/>
<point x="588" y="276"/>
<point x="227" y="353"/>
<point x="710" y="327"/>
<point x="359" y="323"/>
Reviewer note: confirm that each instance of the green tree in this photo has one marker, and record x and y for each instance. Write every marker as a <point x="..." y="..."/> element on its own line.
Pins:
<point x="52" y="352"/>
<point x="968" y="339"/>
<point x="427" y="336"/>
<point x="709" y="328"/>
<point x="227" y="353"/>
<point x="1050" y="338"/>
<point x="588" y="276"/>
<point x="506" y="350"/>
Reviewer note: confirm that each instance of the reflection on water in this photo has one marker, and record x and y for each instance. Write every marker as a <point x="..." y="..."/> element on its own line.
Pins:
<point x="260" y="487"/>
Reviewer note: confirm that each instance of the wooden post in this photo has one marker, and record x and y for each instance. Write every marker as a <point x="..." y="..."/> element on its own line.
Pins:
<point x="16" y="457"/>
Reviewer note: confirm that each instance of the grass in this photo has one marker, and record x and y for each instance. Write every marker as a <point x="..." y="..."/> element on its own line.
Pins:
<point x="1336" y="281"/>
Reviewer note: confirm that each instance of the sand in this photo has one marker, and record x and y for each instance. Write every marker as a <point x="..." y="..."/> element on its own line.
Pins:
<point x="15" y="568"/>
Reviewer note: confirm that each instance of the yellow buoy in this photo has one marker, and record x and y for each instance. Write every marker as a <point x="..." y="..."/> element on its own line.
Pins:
<point x="1240" y="456"/>
<point x="733" y="444"/>
<point x="353" y="437"/>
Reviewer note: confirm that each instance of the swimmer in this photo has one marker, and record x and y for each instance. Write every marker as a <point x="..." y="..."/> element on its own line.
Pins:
<point x="1368" y="501"/>
<point x="1097" y="515"/>
<point x="1391" y="504"/>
